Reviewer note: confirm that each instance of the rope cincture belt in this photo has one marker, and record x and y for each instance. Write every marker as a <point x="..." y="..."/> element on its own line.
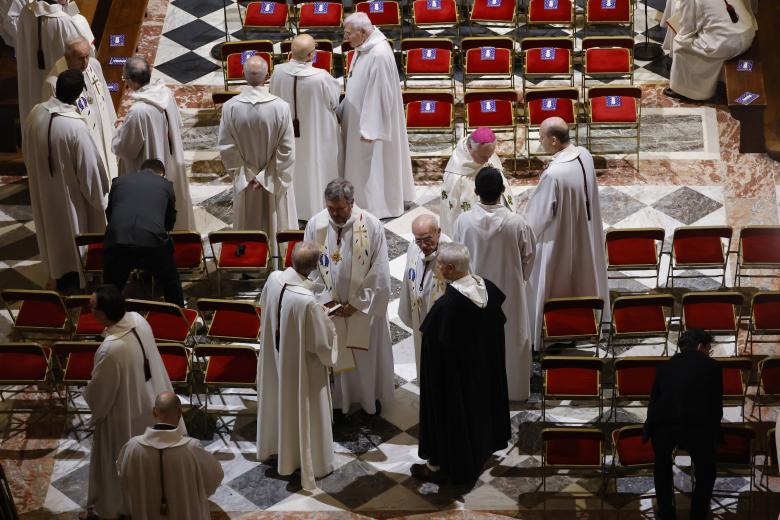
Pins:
<point x="278" y="334"/>
<point x="585" y="182"/>
<point x="48" y="142"/>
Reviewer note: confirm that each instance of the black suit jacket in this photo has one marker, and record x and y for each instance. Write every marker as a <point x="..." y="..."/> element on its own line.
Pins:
<point x="141" y="210"/>
<point x="687" y="395"/>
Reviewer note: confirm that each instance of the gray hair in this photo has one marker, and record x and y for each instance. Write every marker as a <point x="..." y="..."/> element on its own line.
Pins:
<point x="474" y="145"/>
<point x="71" y="43"/>
<point x="359" y="21"/>
<point x="340" y="189"/>
<point x="138" y="70"/>
<point x="455" y="254"/>
<point x="305" y="256"/>
<point x="255" y="70"/>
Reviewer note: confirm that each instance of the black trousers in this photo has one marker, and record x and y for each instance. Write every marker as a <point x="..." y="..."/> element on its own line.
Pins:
<point x="120" y="260"/>
<point x="700" y="444"/>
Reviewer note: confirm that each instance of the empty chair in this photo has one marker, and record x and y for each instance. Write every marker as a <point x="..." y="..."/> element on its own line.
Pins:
<point x="227" y="366"/>
<point x="385" y="14"/>
<point x="634" y="378"/>
<point x="641" y="317"/>
<point x="631" y="456"/>
<point x="168" y="321"/>
<point x="430" y="112"/>
<point x="285" y="243"/>
<point x="736" y="373"/>
<point x="550" y="13"/>
<point x="23" y="364"/>
<point x="614" y="114"/>
<point x="543" y="103"/>
<point x="572" y="378"/>
<point x="572" y="320"/>
<point x="428" y="59"/>
<point x="90" y="246"/>
<point x="188" y="255"/>
<point x="699" y="248"/>
<point x="764" y="318"/>
<point x="607" y="58"/>
<point x="267" y="15"/>
<point x="74" y="361"/>
<point x="38" y="313"/>
<point x="634" y="249"/>
<point x="319" y="15"/>
<point x="244" y="252"/>
<point x="734" y="457"/>
<point x="488" y="58"/>
<point x="235" y="54"/>
<point x="494" y="13"/>
<point x="768" y="389"/>
<point x="547" y="59"/>
<point x="230" y="320"/>
<point x="435" y="14"/>
<point x="614" y="13"/>
<point x="759" y="250"/>
<point x="575" y="451"/>
<point x="85" y="323"/>
<point x="715" y="312"/>
<point x="176" y="358"/>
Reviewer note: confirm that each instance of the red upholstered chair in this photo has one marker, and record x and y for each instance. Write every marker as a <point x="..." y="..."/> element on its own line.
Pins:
<point x="541" y="103"/>
<point x="227" y="366"/>
<point x="176" y="358"/>
<point x="610" y="13"/>
<point x="494" y="13"/>
<point x="90" y="247"/>
<point x="607" y="58"/>
<point x="239" y="252"/>
<point x="385" y="14"/>
<point x="22" y="364"/>
<point x="435" y="14"/>
<point x="267" y="15"/>
<point x="230" y="320"/>
<point x="494" y="109"/>
<point x="768" y="390"/>
<point x="319" y="15"/>
<point x="700" y="248"/>
<point x="168" y="321"/>
<point x="736" y="374"/>
<point x="189" y="255"/>
<point x="550" y="13"/>
<point x="572" y="378"/>
<point x="611" y="108"/>
<point x="38" y="313"/>
<point x="547" y="59"/>
<point x="430" y="112"/>
<point x="234" y="54"/>
<point x="285" y="242"/>
<point x="573" y="451"/>
<point x="634" y="380"/>
<point x="74" y="361"/>
<point x="641" y="317"/>
<point x="323" y="55"/>
<point x="572" y="320"/>
<point x="630" y="456"/>
<point x="634" y="249"/>
<point x="428" y="59"/>
<point x="85" y="323"/>
<point x="488" y="58"/>
<point x="735" y="457"/>
<point x="716" y="312"/>
<point x="759" y="249"/>
<point x="764" y="318"/>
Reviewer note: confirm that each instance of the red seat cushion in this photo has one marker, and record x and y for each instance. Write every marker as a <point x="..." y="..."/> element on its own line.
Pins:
<point x="501" y="62"/>
<point x="27" y="365"/>
<point x="732" y="382"/>
<point x="735" y="449"/>
<point x="381" y="12"/>
<point x="87" y="324"/>
<point x="714" y="316"/>
<point x="423" y="61"/>
<point x="169" y="327"/>
<point x="79" y="367"/>
<point x="238" y="366"/>
<point x="229" y="323"/>
<point x="255" y="254"/>
<point x="94" y="257"/>
<point x="320" y="14"/>
<point x="770" y="379"/>
<point x="187" y="255"/>
<point x="428" y="114"/>
<point x="235" y="67"/>
<point x="323" y="60"/>
<point x="601" y="112"/>
<point x="570" y="322"/>
<point x="493" y="10"/>
<point x="635" y="380"/>
<point x="571" y="451"/>
<point x="490" y="113"/>
<point x="611" y="60"/>
<point x="572" y="381"/>
<point x="265" y="14"/>
<point x="41" y="313"/>
<point x="545" y="11"/>
<point x="639" y="319"/>
<point x="556" y="61"/>
<point x="445" y="13"/>
<point x="631" y="252"/>
<point x="609" y="11"/>
<point x="761" y="248"/>
<point x="766" y="315"/>
<point x="541" y="109"/>
<point x="632" y="451"/>
<point x="175" y="361"/>
<point x="697" y="250"/>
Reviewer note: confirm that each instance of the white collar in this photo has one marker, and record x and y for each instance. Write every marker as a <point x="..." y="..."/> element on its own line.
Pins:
<point x="472" y="287"/>
<point x="374" y="38"/>
<point x="250" y="94"/>
<point x="161" y="439"/>
<point x="569" y="153"/>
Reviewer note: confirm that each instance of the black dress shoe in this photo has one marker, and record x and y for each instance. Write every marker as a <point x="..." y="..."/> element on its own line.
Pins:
<point x="668" y="92"/>
<point x="423" y="472"/>
<point x="377" y="408"/>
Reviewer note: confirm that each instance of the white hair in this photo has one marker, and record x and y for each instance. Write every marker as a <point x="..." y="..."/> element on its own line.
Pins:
<point x="256" y="77"/>
<point x="359" y="21"/>
<point x="455" y="254"/>
<point x="76" y="40"/>
<point x="473" y="145"/>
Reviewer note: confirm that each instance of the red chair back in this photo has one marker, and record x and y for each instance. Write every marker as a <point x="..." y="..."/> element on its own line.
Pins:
<point x="229" y="365"/>
<point x="629" y="448"/>
<point x="735" y="372"/>
<point x="86" y="323"/>
<point x="634" y="375"/>
<point x="434" y="12"/>
<point x="714" y="311"/>
<point x="39" y="310"/>
<point x="255" y="247"/>
<point x="430" y="111"/>
<point x="700" y="245"/>
<point x="270" y="14"/>
<point x="770" y="375"/>
<point x="286" y="241"/>
<point x="633" y="247"/>
<point x="187" y="249"/>
<point x="608" y="11"/>
<point x="572" y="376"/>
<point x="760" y="245"/>
<point x="176" y="360"/>
<point x="737" y="445"/>
<point x="493" y="10"/>
<point x="765" y="311"/>
<point x="643" y="314"/>
<point x="79" y="359"/>
<point x="23" y="363"/>
<point x="382" y="13"/>
<point x="320" y="14"/>
<point x="550" y="12"/>
<point x="231" y="319"/>
<point x="572" y="317"/>
<point x="573" y="447"/>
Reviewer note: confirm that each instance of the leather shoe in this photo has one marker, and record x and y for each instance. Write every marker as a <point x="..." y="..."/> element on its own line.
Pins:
<point x="423" y="472"/>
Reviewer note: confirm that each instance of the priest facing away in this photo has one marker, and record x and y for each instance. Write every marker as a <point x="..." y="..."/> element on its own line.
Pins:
<point x="373" y="125"/>
<point x="502" y="246"/>
<point x="68" y="182"/>
<point x="165" y="474"/>
<point x="464" y="408"/>
<point x="152" y="130"/>
<point x="565" y="216"/>
<point x="299" y="344"/>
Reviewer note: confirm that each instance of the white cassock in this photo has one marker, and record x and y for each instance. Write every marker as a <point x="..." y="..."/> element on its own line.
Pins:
<point x="57" y="26"/>
<point x="12" y="9"/>
<point x="422" y="286"/>
<point x="502" y="249"/>
<point x="256" y="142"/>
<point x="372" y="108"/>
<point x="121" y="402"/>
<point x="95" y="104"/>
<point x="457" y="190"/>
<point x="295" y="410"/>
<point x="68" y="193"/>
<point x="152" y="130"/>
<point x="565" y="215"/>
<point x="354" y="269"/>
<point x="191" y="474"/>
<point x="318" y="149"/>
<point x="706" y="38"/>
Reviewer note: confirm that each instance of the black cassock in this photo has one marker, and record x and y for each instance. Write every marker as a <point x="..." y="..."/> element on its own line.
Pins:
<point x="464" y="404"/>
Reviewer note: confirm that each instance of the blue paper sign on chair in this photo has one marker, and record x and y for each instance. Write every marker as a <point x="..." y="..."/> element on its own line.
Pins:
<point x="267" y="7"/>
<point x="745" y="65"/>
<point x="746" y="98"/>
<point x="116" y="40"/>
<point x="549" y="104"/>
<point x="433" y="4"/>
<point x="427" y="106"/>
<point x="614" y="101"/>
<point x="494" y="3"/>
<point x="82" y="103"/>
<point x="314" y="60"/>
<point x="548" y="53"/>
<point x="551" y="4"/>
<point x="117" y="60"/>
<point x="429" y="54"/>
<point x="487" y="53"/>
<point x="113" y="87"/>
<point x="376" y="7"/>
<point x="246" y="55"/>
<point x="487" y="105"/>
<point x="609" y="4"/>
<point x="320" y="7"/>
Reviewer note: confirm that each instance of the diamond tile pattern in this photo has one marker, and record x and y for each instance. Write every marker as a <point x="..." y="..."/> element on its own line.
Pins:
<point x="188" y="67"/>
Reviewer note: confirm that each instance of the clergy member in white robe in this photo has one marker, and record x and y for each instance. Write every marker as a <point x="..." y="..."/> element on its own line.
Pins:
<point x="565" y="215"/>
<point x="373" y="125"/>
<point x="707" y="33"/>
<point x="68" y="183"/>
<point x="152" y="130"/>
<point x="313" y="96"/>
<point x="36" y="53"/>
<point x="127" y="377"/>
<point x="422" y="284"/>
<point x="95" y="102"/>
<point x="457" y="192"/>
<point x="11" y="8"/>
<point x="353" y="276"/>
<point x="299" y="344"/>
<point x="257" y="147"/>
<point x="502" y="248"/>
<point x="163" y="466"/>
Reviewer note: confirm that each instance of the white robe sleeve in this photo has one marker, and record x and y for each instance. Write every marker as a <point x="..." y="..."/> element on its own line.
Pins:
<point x="527" y="250"/>
<point x="543" y="206"/>
<point x="284" y="157"/>
<point x="103" y="386"/>
<point x="128" y="140"/>
<point x="374" y="293"/>
<point x="405" y="303"/>
<point x="689" y="25"/>
<point x="457" y="230"/>
<point x="321" y="340"/>
<point x="210" y="470"/>
<point x="227" y="144"/>
<point x="376" y="113"/>
<point x="90" y="170"/>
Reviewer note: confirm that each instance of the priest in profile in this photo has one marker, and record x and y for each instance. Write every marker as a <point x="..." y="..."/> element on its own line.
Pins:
<point x="313" y="96"/>
<point x="257" y="147"/>
<point x="502" y="246"/>
<point x="472" y="153"/>
<point x="353" y="280"/>
<point x="68" y="182"/>
<point x="373" y="125"/>
<point x="95" y="102"/>
<point x="299" y="344"/>
<point x="152" y="130"/>
<point x="464" y="408"/>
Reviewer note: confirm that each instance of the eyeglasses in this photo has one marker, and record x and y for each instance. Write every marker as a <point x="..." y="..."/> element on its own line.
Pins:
<point x="428" y="241"/>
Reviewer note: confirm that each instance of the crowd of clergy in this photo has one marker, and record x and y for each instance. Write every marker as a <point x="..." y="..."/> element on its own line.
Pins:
<point x="473" y="286"/>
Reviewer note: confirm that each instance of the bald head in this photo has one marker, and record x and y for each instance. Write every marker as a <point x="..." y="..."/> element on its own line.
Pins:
<point x="305" y="257"/>
<point x="137" y="72"/>
<point x="426" y="231"/>
<point x="303" y="47"/>
<point x="77" y="52"/>
<point x="255" y="71"/>
<point x="426" y="223"/>
<point x="167" y="408"/>
<point x="554" y="134"/>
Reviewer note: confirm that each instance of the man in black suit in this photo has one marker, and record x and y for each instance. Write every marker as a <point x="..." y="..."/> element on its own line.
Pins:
<point x="141" y="211"/>
<point x="686" y="407"/>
